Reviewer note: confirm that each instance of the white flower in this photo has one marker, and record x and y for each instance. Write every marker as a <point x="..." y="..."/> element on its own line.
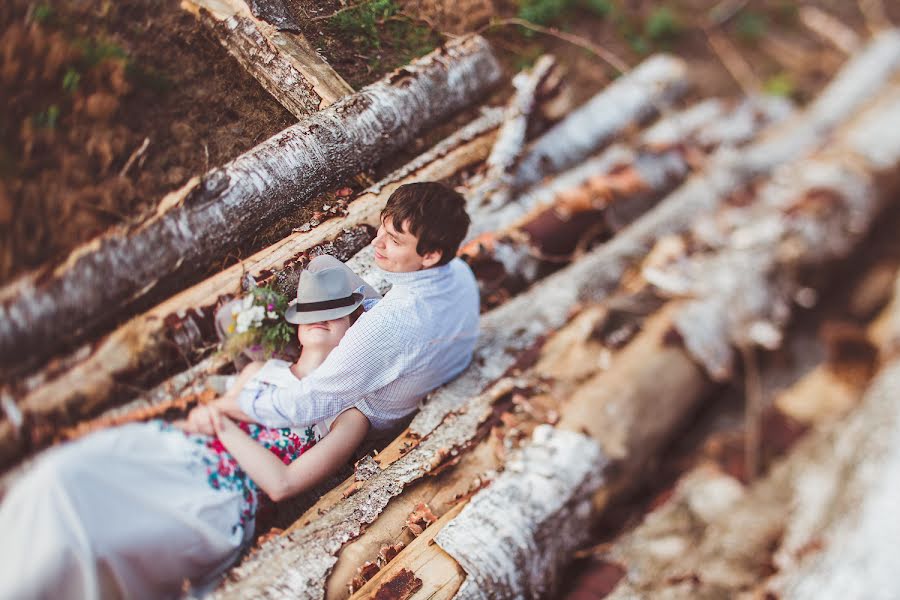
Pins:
<point x="272" y="314"/>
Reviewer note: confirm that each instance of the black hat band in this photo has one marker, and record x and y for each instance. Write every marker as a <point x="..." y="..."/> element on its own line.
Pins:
<point x="325" y="304"/>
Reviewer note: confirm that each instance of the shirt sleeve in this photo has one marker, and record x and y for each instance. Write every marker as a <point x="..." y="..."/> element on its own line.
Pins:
<point x="370" y="356"/>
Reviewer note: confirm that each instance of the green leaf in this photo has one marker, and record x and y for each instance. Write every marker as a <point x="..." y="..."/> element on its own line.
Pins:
<point x="71" y="79"/>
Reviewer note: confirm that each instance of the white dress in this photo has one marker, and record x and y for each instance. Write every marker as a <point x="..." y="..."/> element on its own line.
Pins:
<point x="135" y="511"/>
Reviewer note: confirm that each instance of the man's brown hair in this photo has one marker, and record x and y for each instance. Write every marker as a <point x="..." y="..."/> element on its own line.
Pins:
<point x="434" y="213"/>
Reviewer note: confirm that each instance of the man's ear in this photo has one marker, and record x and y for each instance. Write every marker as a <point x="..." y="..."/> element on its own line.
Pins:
<point x="429" y="259"/>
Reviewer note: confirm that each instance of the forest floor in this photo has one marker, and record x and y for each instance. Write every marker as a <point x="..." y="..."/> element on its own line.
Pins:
<point x="110" y="105"/>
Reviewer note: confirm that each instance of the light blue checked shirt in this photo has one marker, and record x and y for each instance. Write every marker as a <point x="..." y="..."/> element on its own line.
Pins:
<point x="419" y="336"/>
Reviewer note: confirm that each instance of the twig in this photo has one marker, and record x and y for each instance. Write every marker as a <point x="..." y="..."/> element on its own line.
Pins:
<point x="614" y="61"/>
<point x="830" y="29"/>
<point x="752" y="411"/>
<point x="337" y="12"/>
<point x="134" y="156"/>
<point x="733" y="62"/>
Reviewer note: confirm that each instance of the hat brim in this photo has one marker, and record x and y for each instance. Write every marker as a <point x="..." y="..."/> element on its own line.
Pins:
<point x="292" y="315"/>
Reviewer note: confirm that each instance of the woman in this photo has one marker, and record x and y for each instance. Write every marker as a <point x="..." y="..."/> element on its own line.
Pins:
<point x="141" y="510"/>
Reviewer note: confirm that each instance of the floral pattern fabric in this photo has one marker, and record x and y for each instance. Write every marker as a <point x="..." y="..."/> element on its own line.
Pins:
<point x="223" y="471"/>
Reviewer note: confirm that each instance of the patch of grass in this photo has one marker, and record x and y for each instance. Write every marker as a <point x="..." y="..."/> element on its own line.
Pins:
<point x="71" y="79"/>
<point x="47" y="118"/>
<point x="361" y="22"/>
<point x="543" y="12"/>
<point x="662" y="24"/>
<point x="751" y="26"/>
<point x="600" y="8"/>
<point x="781" y="84"/>
<point x="95" y="50"/>
<point x="43" y="13"/>
<point x="382" y="33"/>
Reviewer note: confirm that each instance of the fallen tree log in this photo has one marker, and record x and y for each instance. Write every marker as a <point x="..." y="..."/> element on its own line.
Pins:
<point x="632" y="408"/>
<point x="104" y="373"/>
<point x="203" y="220"/>
<point x="327" y="526"/>
<point x="283" y="62"/>
<point x="818" y="510"/>
<point x="648" y="90"/>
<point x="557" y="224"/>
<point x="655" y="83"/>
<point x="518" y="324"/>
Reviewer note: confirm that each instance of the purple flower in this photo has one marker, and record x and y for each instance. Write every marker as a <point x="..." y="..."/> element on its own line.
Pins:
<point x="271" y="306"/>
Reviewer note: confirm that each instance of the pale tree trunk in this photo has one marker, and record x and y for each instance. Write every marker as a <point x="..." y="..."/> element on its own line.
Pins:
<point x="283" y="62"/>
<point x="334" y="521"/>
<point x="84" y="382"/>
<point x="204" y="220"/>
<point x="516" y="325"/>
<point x="654" y="84"/>
<point x="632" y="409"/>
<point x="822" y="517"/>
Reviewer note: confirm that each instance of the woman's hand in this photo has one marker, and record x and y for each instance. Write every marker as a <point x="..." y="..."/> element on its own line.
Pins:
<point x="200" y="420"/>
<point x="220" y="422"/>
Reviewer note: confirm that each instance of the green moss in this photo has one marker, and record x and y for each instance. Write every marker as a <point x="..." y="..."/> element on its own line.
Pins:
<point x="43" y="13"/>
<point x="781" y="85"/>
<point x="662" y="24"/>
<point x="751" y="26"/>
<point x="543" y="12"/>
<point x="96" y="50"/>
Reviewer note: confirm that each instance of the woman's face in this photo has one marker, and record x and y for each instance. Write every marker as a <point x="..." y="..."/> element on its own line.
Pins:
<point x="323" y="334"/>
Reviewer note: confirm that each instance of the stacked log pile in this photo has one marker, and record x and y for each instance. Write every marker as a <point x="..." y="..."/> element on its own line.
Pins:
<point x="622" y="271"/>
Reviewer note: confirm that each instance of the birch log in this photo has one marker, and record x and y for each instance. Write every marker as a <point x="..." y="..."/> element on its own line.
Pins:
<point x="822" y="518"/>
<point x="515" y="327"/>
<point x="655" y="83"/>
<point x="632" y="409"/>
<point x="104" y="373"/>
<point x="283" y="62"/>
<point x="202" y="221"/>
<point x="644" y="92"/>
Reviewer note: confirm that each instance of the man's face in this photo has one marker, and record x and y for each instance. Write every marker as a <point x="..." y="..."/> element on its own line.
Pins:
<point x="395" y="251"/>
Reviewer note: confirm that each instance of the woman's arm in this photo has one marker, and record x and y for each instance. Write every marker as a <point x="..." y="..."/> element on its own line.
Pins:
<point x="280" y="481"/>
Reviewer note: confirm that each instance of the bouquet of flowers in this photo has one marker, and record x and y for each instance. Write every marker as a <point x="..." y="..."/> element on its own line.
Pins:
<point x="255" y="323"/>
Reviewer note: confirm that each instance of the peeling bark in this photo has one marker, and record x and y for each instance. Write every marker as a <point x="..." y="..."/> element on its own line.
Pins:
<point x="822" y="520"/>
<point x="515" y="326"/>
<point x="512" y="537"/>
<point x="203" y="221"/>
<point x="78" y="385"/>
<point x="635" y="98"/>
<point x="283" y="62"/>
<point x="810" y="213"/>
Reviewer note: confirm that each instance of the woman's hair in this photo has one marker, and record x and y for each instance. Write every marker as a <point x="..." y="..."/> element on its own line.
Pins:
<point x="356" y="314"/>
<point x="434" y="213"/>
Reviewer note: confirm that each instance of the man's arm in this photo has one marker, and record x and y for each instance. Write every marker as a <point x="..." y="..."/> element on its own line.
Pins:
<point x="371" y="355"/>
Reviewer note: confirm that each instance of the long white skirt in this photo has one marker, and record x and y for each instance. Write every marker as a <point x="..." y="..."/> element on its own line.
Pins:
<point x="125" y="512"/>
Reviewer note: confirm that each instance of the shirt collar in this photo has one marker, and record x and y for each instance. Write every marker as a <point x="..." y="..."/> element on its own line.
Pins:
<point x="417" y="278"/>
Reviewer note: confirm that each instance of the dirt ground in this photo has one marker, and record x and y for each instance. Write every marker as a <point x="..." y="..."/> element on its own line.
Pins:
<point x="84" y="84"/>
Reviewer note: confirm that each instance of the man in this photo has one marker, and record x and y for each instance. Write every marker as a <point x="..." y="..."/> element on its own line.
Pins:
<point x="419" y="336"/>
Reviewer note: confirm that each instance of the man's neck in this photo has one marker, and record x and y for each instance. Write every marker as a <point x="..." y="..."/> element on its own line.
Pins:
<point x="412" y="277"/>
